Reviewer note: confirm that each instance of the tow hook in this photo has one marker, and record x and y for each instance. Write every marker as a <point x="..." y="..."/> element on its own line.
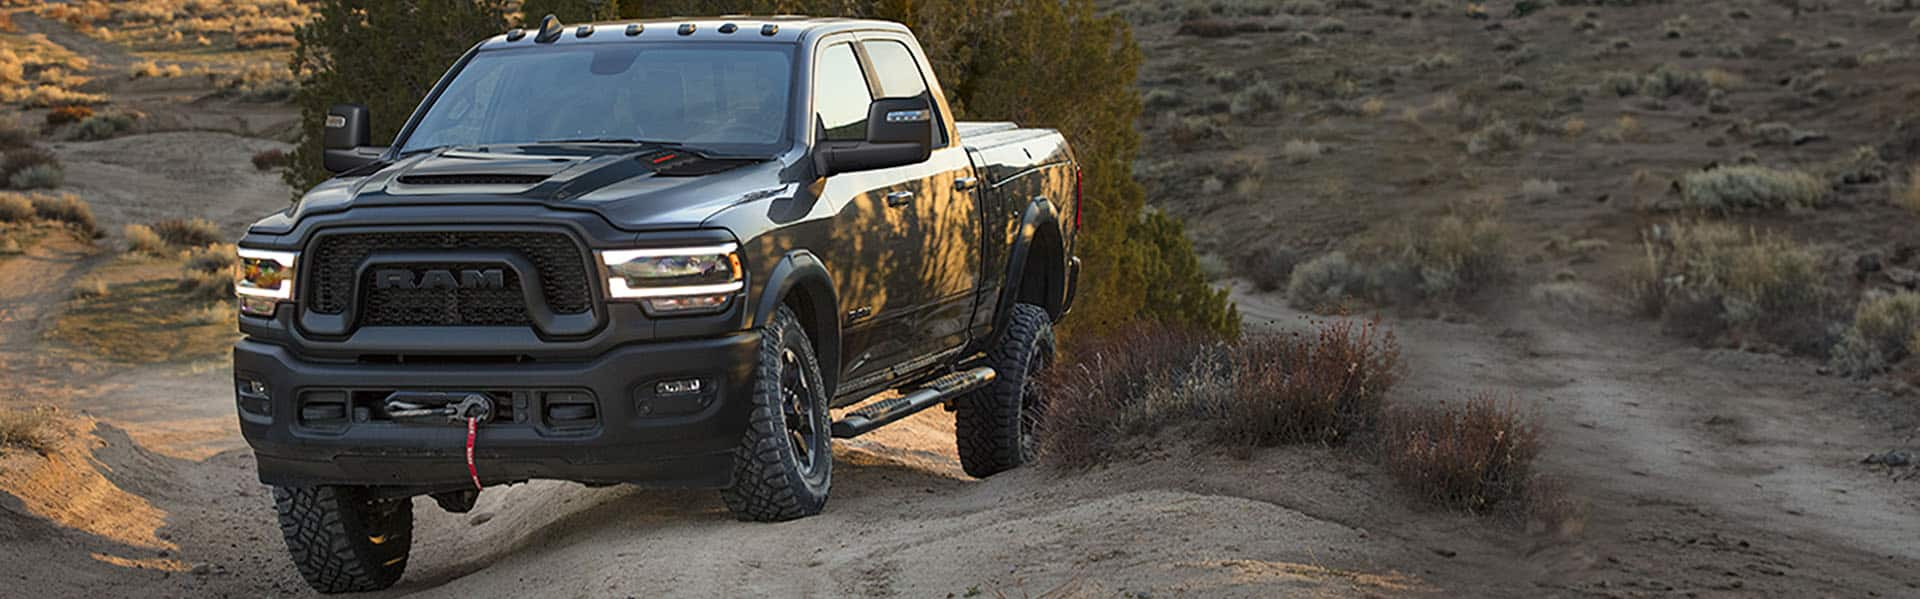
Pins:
<point x="471" y="409"/>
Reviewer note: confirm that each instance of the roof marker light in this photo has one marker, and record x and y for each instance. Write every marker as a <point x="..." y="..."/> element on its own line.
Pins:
<point x="686" y="29"/>
<point x="516" y="34"/>
<point x="729" y="28"/>
<point x="769" y="29"/>
<point x="549" y="30"/>
<point x="634" y="29"/>
<point x="583" y="31"/>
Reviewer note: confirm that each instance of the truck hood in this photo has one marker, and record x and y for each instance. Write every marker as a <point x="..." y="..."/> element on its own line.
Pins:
<point x="637" y="190"/>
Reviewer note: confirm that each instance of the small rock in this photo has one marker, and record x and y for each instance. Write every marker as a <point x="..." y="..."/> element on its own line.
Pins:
<point x="480" y="518"/>
<point x="1904" y="277"/>
<point x="1444" y="552"/>
<point x="201" y="569"/>
<point x="1894" y="459"/>
<point x="1866" y="264"/>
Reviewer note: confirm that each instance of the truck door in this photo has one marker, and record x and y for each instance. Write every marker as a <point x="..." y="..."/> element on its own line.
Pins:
<point x="872" y="253"/>
<point x="946" y="225"/>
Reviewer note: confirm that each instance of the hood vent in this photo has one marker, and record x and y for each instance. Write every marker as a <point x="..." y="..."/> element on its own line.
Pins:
<point x="472" y="179"/>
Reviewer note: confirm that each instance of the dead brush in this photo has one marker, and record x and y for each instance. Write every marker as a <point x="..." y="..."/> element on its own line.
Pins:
<point x="195" y="232"/>
<point x="142" y="240"/>
<point x="1473" y="455"/>
<point x="220" y="258"/>
<point x="1263" y="391"/>
<point x="66" y="208"/>
<point x="1319" y="389"/>
<point x="33" y="428"/>
<point x="207" y="287"/>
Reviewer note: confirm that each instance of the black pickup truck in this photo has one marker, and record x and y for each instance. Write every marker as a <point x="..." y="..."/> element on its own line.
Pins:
<point x="651" y="252"/>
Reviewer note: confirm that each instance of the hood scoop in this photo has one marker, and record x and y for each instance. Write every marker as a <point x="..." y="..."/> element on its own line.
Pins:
<point x="472" y="179"/>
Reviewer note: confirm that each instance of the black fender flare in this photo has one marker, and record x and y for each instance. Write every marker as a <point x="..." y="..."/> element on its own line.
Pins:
<point x="800" y="270"/>
<point x="1039" y="224"/>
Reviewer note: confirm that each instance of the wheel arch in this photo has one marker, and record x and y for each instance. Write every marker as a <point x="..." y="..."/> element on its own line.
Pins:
<point x="1036" y="265"/>
<point x="801" y="282"/>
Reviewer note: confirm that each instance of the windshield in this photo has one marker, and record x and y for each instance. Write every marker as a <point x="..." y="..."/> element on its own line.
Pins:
<point x="725" y="99"/>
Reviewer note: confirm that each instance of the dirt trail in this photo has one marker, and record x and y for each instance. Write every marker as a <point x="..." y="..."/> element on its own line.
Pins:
<point x="1706" y="469"/>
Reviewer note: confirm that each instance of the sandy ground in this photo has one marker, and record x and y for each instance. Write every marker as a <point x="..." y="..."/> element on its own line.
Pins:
<point x="1709" y="473"/>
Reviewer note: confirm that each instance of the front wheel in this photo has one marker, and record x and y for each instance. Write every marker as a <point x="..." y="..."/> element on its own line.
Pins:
<point x="784" y="463"/>
<point x="994" y="425"/>
<point x="342" y="540"/>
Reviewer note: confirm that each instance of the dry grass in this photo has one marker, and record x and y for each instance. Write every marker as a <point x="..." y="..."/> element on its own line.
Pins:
<point x="91" y="288"/>
<point x="1713" y="281"/>
<point x="16" y="208"/>
<point x="1883" y="333"/>
<point x="1299" y="151"/>
<point x="267" y="160"/>
<point x="183" y="232"/>
<point x="1262" y="391"/>
<point x="1909" y="195"/>
<point x="34" y="429"/>
<point x="65" y="208"/>
<point x="219" y="258"/>
<point x="1433" y="258"/>
<point x="1472" y="456"/>
<point x="142" y="240"/>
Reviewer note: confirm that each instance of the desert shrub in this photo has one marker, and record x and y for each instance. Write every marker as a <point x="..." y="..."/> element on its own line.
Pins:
<point x="142" y="240"/>
<point x="104" y="126"/>
<point x="13" y="135"/>
<point x="1471" y="456"/>
<point x="1909" y="195"/>
<point x="1667" y="81"/>
<point x="1192" y="131"/>
<point x="219" y="258"/>
<point x="1301" y="151"/>
<point x="21" y="159"/>
<point x="34" y="429"/>
<point x="1255" y="99"/>
<point x="1325" y="283"/>
<point x="1209" y="27"/>
<point x="15" y="208"/>
<point x="1718" y="279"/>
<point x="194" y="232"/>
<point x="1270" y="267"/>
<point x="39" y="176"/>
<point x="68" y="114"/>
<point x="1883" y="332"/>
<point x="1496" y="137"/>
<point x="1262" y="391"/>
<point x="1160" y="99"/>
<point x="1540" y="190"/>
<point x="151" y="69"/>
<point x="1676" y="27"/>
<point x="1322" y="389"/>
<point x="1861" y="166"/>
<point x="1751" y="187"/>
<point x="1622" y="83"/>
<point x="66" y="208"/>
<point x="1304" y="7"/>
<point x="1774" y="134"/>
<point x="267" y="160"/>
<point x="206" y="286"/>
<point x="1329" y="26"/>
<point x="90" y="287"/>
<point x="1438" y="61"/>
<point x="1511" y="82"/>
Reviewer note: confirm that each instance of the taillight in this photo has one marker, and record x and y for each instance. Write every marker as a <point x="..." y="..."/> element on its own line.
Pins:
<point x="1076" y="198"/>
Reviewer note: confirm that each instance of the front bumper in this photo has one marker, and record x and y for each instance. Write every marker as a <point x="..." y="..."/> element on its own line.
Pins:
<point x="634" y="435"/>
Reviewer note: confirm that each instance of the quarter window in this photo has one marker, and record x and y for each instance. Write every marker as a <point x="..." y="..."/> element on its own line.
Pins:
<point x="899" y="74"/>
<point x="841" y="97"/>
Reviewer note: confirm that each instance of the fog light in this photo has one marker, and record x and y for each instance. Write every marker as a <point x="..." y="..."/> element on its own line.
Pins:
<point x="688" y="304"/>
<point x="677" y="387"/>
<point x="254" y="305"/>
<point x="253" y="387"/>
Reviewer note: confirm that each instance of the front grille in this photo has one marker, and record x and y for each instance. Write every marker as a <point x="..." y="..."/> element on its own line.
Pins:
<point x="334" y="258"/>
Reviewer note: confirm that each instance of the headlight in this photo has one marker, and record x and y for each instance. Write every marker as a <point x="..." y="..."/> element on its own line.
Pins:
<point x="689" y="280"/>
<point x="264" y="280"/>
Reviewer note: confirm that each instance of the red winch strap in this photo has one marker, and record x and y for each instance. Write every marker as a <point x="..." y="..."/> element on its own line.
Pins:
<point x="473" y="427"/>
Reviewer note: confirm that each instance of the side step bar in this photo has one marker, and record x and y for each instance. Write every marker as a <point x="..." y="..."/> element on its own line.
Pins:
<point x="884" y="412"/>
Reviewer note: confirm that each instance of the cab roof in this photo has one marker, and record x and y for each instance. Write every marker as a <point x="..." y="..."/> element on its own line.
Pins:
<point x="730" y="28"/>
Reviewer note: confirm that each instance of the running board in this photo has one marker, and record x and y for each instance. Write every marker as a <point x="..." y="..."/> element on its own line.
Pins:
<point x="887" y="411"/>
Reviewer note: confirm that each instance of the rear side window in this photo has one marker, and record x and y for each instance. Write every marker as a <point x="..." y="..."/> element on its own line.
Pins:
<point x="899" y="74"/>
<point x="840" y="94"/>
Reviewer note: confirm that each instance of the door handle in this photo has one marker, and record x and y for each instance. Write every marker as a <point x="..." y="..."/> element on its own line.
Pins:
<point x="899" y="198"/>
<point x="965" y="183"/>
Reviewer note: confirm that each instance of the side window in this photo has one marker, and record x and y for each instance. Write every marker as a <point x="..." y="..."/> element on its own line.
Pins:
<point x="899" y="74"/>
<point x="840" y="94"/>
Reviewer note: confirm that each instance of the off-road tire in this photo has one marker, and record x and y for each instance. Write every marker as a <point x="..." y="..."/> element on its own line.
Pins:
<point x="771" y="481"/>
<point x="994" y="425"/>
<point x="341" y="540"/>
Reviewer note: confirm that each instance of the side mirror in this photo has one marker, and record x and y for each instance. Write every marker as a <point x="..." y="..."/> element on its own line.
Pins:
<point x="899" y="132"/>
<point x="345" y="137"/>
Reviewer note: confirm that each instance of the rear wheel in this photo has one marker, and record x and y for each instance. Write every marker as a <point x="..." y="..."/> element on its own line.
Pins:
<point x="783" y="466"/>
<point x="342" y="540"/>
<point x="994" y="425"/>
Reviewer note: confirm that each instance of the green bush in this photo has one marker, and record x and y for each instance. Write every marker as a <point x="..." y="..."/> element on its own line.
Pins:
<point x="39" y="176"/>
<point x="1751" y="187"/>
<point x="1748" y="284"/>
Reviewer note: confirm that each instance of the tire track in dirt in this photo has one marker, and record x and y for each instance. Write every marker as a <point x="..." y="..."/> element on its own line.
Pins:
<point x="1705" y="468"/>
